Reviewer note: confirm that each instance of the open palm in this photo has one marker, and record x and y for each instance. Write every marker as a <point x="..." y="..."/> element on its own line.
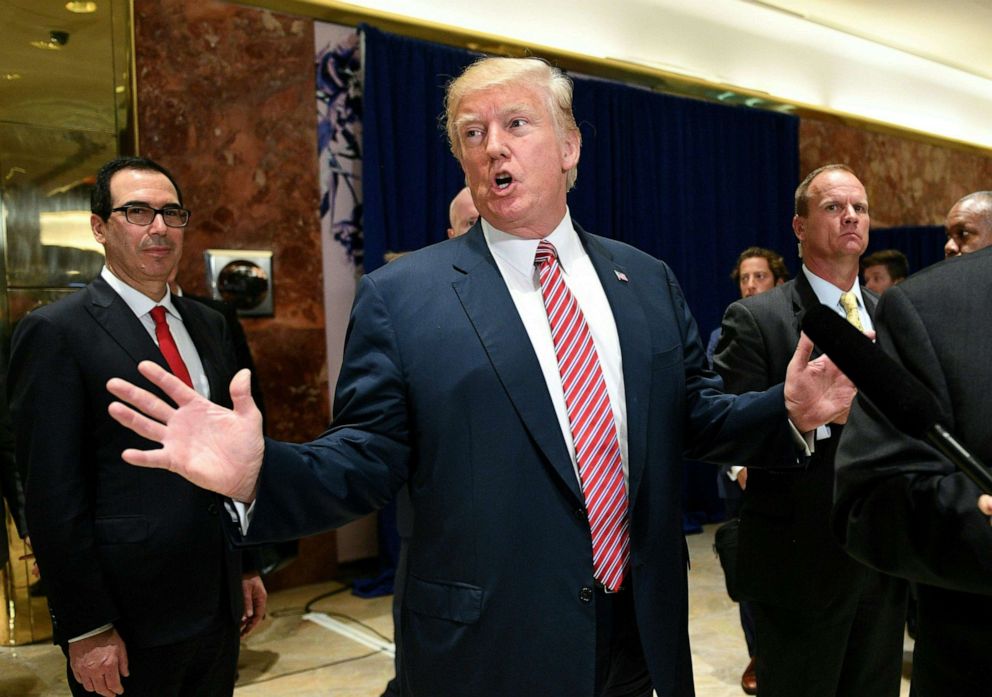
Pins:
<point x="213" y="447"/>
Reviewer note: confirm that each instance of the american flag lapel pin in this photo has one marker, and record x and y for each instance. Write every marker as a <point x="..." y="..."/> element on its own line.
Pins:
<point x="621" y="276"/>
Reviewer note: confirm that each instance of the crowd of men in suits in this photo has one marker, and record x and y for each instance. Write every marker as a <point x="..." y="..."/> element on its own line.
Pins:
<point x="547" y="523"/>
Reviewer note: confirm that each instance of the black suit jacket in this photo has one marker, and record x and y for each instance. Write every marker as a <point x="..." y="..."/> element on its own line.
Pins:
<point x="788" y="555"/>
<point x="902" y="507"/>
<point x="141" y="548"/>
<point x="441" y="388"/>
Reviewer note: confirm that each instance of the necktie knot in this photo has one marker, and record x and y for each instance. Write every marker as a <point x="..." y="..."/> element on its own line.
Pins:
<point x="546" y="253"/>
<point x="850" y="304"/>
<point x="158" y="314"/>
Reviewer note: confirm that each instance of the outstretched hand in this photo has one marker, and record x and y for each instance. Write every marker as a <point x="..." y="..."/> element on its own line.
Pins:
<point x="215" y="448"/>
<point x="816" y="392"/>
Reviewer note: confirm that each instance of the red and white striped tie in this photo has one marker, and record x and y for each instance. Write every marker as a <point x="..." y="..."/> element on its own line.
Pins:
<point x="594" y="432"/>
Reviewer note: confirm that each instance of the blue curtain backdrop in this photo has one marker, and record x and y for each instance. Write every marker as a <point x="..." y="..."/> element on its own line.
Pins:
<point x="923" y="245"/>
<point x="690" y="182"/>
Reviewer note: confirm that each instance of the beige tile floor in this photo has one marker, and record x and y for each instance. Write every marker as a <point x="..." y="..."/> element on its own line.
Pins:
<point x="289" y="656"/>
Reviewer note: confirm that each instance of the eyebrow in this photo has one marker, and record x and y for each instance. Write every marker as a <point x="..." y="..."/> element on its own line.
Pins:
<point x="146" y="204"/>
<point x="503" y="112"/>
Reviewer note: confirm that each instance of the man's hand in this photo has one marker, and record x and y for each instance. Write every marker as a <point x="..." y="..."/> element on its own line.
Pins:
<point x="816" y="392"/>
<point x="215" y="448"/>
<point x="98" y="662"/>
<point x="255" y="599"/>
<point x="742" y="478"/>
<point x="985" y="504"/>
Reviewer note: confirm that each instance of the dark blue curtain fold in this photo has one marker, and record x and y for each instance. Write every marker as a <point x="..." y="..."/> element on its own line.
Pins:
<point x="923" y="245"/>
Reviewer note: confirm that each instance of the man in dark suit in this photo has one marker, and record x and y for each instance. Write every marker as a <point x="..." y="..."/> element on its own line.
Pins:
<point x="451" y="383"/>
<point x="827" y="626"/>
<point x="757" y="270"/>
<point x="144" y="589"/>
<point x="905" y="509"/>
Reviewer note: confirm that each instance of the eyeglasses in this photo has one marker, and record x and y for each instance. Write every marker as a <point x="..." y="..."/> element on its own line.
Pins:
<point x="144" y="215"/>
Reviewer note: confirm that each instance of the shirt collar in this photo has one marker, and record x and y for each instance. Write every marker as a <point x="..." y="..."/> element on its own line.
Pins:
<point x="519" y="252"/>
<point x="139" y="303"/>
<point x="829" y="294"/>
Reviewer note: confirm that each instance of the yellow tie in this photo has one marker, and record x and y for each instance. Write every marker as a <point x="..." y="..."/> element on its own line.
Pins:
<point x="850" y="304"/>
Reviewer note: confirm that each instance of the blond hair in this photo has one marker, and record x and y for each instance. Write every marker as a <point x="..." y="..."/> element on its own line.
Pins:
<point x="534" y="73"/>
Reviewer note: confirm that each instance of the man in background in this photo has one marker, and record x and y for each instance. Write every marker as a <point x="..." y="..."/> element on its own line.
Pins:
<point x="145" y="592"/>
<point x="901" y="506"/>
<point x="969" y="224"/>
<point x="757" y="270"/>
<point x="461" y="213"/>
<point x="827" y="626"/>
<point x="883" y="269"/>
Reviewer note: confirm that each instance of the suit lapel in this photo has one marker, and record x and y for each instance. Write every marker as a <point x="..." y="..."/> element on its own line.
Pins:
<point x="487" y="302"/>
<point x="112" y="313"/>
<point x="206" y="345"/>
<point x="631" y="323"/>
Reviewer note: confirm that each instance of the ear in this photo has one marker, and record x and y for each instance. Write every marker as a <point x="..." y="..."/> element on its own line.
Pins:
<point x="570" y="150"/>
<point x="799" y="227"/>
<point x="98" y="225"/>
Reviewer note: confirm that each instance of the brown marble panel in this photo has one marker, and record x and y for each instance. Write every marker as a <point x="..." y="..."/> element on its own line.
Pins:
<point x="909" y="182"/>
<point x="226" y="101"/>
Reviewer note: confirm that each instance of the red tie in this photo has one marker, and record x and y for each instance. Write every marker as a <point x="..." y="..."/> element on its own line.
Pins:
<point x="594" y="432"/>
<point x="167" y="345"/>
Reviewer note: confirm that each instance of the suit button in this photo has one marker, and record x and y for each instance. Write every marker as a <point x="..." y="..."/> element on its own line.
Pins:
<point x="212" y="509"/>
<point x="585" y="594"/>
<point x="580" y="512"/>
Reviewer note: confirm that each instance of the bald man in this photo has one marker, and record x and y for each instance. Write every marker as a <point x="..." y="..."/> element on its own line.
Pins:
<point x="969" y="224"/>
<point x="461" y="213"/>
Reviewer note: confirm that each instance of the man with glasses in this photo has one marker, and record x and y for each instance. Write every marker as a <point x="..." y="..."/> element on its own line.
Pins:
<point x="144" y="591"/>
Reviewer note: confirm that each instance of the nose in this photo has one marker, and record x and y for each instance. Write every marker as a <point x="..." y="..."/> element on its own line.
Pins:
<point x="850" y="213"/>
<point x="951" y="248"/>
<point x="494" y="144"/>
<point x="158" y="226"/>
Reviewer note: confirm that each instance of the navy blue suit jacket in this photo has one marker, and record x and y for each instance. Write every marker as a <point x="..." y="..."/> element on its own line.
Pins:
<point x="441" y="388"/>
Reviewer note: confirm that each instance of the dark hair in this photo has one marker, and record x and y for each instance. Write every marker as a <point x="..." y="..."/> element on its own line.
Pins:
<point x="775" y="262"/>
<point x="894" y="260"/>
<point x="802" y="191"/>
<point x="100" y="201"/>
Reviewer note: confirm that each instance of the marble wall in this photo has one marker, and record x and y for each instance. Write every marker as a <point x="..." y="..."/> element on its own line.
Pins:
<point x="909" y="182"/>
<point x="225" y="100"/>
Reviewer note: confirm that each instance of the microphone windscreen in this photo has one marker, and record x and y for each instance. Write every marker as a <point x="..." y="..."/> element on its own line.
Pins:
<point x="903" y="399"/>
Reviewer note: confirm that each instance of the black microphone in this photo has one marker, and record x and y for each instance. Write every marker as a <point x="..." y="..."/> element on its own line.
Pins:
<point x="898" y="394"/>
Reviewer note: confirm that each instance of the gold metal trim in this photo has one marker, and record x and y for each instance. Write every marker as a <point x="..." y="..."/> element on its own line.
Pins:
<point x="625" y="71"/>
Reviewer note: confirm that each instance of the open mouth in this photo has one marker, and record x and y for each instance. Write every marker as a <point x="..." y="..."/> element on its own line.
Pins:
<point x="503" y="181"/>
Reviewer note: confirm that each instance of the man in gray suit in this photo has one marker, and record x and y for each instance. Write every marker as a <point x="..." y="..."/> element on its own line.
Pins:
<point x="827" y="626"/>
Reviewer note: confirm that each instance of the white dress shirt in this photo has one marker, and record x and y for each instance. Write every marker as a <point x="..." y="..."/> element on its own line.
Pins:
<point x="141" y="305"/>
<point x="829" y="294"/>
<point x="515" y="259"/>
